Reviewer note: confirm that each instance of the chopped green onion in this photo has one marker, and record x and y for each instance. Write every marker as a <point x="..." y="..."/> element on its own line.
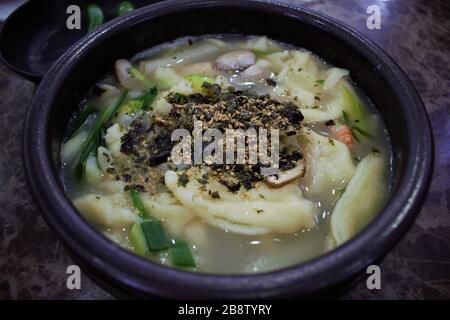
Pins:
<point x="125" y="7"/>
<point x="94" y="137"/>
<point x="137" y="239"/>
<point x="143" y="102"/>
<point x="138" y="204"/>
<point x="362" y="132"/>
<point x="154" y="235"/>
<point x="181" y="255"/>
<point x="135" y="73"/>
<point x="130" y="107"/>
<point x="197" y="81"/>
<point x="148" y="98"/>
<point x="260" y="52"/>
<point x="95" y="15"/>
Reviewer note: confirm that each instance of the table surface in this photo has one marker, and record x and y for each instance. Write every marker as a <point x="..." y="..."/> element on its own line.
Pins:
<point x="416" y="33"/>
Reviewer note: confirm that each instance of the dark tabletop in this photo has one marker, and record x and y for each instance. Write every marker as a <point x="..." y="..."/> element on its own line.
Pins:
<point x="416" y="33"/>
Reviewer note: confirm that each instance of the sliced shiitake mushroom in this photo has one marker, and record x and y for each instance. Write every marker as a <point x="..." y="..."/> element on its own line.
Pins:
<point x="235" y="60"/>
<point x="123" y="68"/>
<point x="283" y="178"/>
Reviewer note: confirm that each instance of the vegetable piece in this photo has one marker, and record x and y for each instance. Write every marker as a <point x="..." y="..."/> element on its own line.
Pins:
<point x="93" y="139"/>
<point x="125" y="7"/>
<point x="130" y="107"/>
<point x="154" y="235"/>
<point x="137" y="239"/>
<point x="353" y="108"/>
<point x="125" y="72"/>
<point x="184" y="55"/>
<point x="148" y="98"/>
<point x="143" y="102"/>
<point x="135" y="73"/>
<point x="217" y="42"/>
<point x="138" y="204"/>
<point x="96" y="17"/>
<point x="260" y="52"/>
<point x="181" y="255"/>
<point x="71" y="147"/>
<point x="92" y="171"/>
<point x="166" y="78"/>
<point x="83" y="115"/>
<point x="197" y="81"/>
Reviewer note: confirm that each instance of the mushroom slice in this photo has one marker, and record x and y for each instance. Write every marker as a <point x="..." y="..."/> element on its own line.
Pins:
<point x="254" y="73"/>
<point x="288" y="176"/>
<point x="204" y="68"/>
<point x="235" y="60"/>
<point x="123" y="67"/>
<point x="161" y="121"/>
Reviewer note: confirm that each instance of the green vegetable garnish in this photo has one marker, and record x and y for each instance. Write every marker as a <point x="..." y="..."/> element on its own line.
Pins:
<point x="259" y="52"/>
<point x="130" y="107"/>
<point x="95" y="15"/>
<point x="354" y="115"/>
<point x="353" y="107"/>
<point x="138" y="204"/>
<point x="143" y="102"/>
<point x="135" y="73"/>
<point x="137" y="239"/>
<point x="181" y="255"/>
<point x="94" y="137"/>
<point x="362" y="132"/>
<point x="154" y="235"/>
<point x="125" y="7"/>
<point x="197" y="81"/>
<point x="148" y="98"/>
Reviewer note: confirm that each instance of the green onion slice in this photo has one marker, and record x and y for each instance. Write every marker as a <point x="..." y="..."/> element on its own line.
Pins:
<point x="181" y="255"/>
<point x="154" y="235"/>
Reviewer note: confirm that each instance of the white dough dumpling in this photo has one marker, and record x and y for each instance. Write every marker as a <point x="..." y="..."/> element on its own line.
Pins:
<point x="361" y="200"/>
<point x="107" y="211"/>
<point x="259" y="211"/>
<point x="328" y="161"/>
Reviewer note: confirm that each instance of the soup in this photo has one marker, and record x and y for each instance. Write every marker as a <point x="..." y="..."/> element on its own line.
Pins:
<point x="227" y="154"/>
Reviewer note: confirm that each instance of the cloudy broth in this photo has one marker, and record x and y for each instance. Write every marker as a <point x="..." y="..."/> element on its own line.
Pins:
<point x="288" y="74"/>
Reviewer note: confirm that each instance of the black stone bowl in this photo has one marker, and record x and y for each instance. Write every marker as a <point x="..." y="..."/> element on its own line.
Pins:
<point x="90" y="59"/>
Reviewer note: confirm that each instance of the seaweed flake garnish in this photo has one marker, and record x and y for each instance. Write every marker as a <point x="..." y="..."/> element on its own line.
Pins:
<point x="148" y="143"/>
<point x="183" y="179"/>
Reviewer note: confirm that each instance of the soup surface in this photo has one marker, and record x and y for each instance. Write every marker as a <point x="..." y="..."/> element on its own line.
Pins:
<point x="227" y="154"/>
